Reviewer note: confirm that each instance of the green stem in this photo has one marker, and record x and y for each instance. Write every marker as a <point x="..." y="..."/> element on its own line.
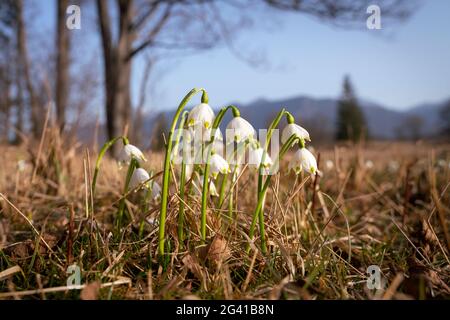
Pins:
<point x="222" y="190"/>
<point x="272" y="127"/>
<point x="166" y="174"/>
<point x="216" y="124"/>
<point x="182" y="178"/>
<point x="261" y="196"/>
<point x="181" y="213"/>
<point x="230" y="205"/>
<point x="179" y="132"/>
<point x="224" y="180"/>
<point x="133" y="165"/>
<point x="103" y="150"/>
<point x="148" y="193"/>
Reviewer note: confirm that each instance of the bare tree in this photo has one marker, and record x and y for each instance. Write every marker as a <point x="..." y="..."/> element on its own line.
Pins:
<point x="156" y="25"/>
<point x="62" y="63"/>
<point x="346" y="13"/>
<point x="6" y="68"/>
<point x="5" y="99"/>
<point x="25" y="70"/>
<point x="117" y="65"/>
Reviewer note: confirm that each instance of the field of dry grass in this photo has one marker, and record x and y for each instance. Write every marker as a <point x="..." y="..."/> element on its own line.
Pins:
<point x="384" y="204"/>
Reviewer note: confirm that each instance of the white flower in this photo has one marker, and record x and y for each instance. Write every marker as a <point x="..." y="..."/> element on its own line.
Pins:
<point x="152" y="221"/>
<point x="189" y="171"/>
<point x="218" y="147"/>
<point x="128" y="152"/>
<point x="303" y="160"/>
<point x="139" y="176"/>
<point x="240" y="129"/>
<point x="442" y="163"/>
<point x="393" y="166"/>
<point x="329" y="164"/>
<point x="21" y="165"/>
<point x="291" y="129"/>
<point x="369" y="164"/>
<point x="199" y="189"/>
<point x="201" y="115"/>
<point x="156" y="191"/>
<point x="255" y="157"/>
<point x="218" y="165"/>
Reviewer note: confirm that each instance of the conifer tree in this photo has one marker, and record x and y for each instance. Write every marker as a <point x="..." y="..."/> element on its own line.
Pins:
<point x="351" y="123"/>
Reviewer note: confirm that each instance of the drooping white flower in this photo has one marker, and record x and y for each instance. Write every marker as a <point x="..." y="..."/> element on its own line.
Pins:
<point x="201" y="115"/>
<point x="198" y="186"/>
<point x="152" y="221"/>
<point x="329" y="164"/>
<point x="212" y="189"/>
<point x="217" y="146"/>
<point x="240" y="129"/>
<point x="156" y="191"/>
<point x="189" y="171"/>
<point x="291" y="129"/>
<point x="138" y="177"/>
<point x="218" y="165"/>
<point x="255" y="157"/>
<point x="217" y="135"/>
<point x="21" y="165"/>
<point x="393" y="166"/>
<point x="303" y="160"/>
<point x="369" y="164"/>
<point x="128" y="152"/>
<point x="197" y="139"/>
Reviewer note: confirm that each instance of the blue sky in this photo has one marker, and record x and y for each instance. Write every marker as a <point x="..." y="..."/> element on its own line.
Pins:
<point x="399" y="66"/>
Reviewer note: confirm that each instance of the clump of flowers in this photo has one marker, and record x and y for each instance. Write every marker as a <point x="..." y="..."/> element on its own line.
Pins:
<point x="204" y="165"/>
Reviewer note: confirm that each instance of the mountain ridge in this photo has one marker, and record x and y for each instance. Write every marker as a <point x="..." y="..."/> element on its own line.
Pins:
<point x="319" y="116"/>
<point x="383" y="122"/>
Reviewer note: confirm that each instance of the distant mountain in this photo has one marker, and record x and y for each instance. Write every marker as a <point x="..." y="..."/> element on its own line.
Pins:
<point x="319" y="117"/>
<point x="384" y="123"/>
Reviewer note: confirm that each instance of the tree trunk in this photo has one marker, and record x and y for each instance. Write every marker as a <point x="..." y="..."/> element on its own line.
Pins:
<point x="109" y="67"/>
<point x="117" y="68"/>
<point x="5" y="101"/>
<point x="62" y="63"/>
<point x="19" y="102"/>
<point x="36" y="116"/>
<point x="124" y="61"/>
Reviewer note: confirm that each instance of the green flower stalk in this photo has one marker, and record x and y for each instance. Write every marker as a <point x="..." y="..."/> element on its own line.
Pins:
<point x="133" y="165"/>
<point x="182" y="179"/>
<point x="166" y="171"/>
<point x="225" y="177"/>
<point x="260" y="214"/>
<point x="222" y="191"/>
<point x="101" y="154"/>
<point x="217" y="121"/>
<point x="262" y="193"/>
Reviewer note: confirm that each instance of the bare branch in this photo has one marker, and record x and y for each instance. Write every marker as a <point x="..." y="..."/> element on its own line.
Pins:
<point x="153" y="32"/>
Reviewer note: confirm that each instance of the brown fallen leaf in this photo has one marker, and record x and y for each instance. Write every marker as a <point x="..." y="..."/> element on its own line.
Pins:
<point x="21" y="250"/>
<point x="216" y="252"/>
<point x="51" y="240"/>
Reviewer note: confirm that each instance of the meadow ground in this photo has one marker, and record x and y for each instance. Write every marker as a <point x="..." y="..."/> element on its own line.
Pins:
<point x="384" y="204"/>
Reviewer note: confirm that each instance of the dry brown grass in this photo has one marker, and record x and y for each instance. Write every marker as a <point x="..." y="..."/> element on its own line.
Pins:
<point x="393" y="214"/>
